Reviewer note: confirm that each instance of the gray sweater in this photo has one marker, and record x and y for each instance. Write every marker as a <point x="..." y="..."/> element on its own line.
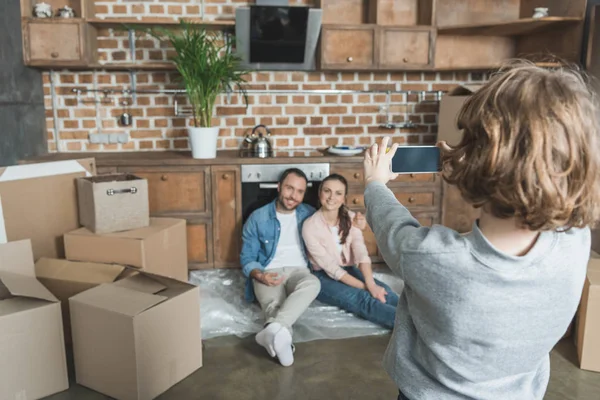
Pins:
<point x="472" y="322"/>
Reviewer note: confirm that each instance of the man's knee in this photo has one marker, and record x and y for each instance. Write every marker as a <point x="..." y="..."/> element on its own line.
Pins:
<point x="312" y="284"/>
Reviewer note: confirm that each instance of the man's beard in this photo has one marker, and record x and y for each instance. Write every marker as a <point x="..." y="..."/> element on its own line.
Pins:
<point x="280" y="200"/>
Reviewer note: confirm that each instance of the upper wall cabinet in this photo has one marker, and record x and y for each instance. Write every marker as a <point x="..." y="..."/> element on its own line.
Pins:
<point x="56" y="41"/>
<point x="453" y="34"/>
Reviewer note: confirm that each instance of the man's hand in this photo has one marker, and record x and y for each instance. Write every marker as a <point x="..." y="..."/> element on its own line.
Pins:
<point x="377" y="292"/>
<point x="359" y="221"/>
<point x="266" y="278"/>
<point x="378" y="162"/>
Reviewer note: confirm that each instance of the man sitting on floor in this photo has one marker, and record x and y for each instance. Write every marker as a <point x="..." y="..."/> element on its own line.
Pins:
<point x="274" y="260"/>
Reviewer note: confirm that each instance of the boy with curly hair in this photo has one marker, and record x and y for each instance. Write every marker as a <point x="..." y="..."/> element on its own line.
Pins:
<point x="481" y="312"/>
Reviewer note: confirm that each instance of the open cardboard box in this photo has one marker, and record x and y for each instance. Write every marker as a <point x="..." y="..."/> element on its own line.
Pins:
<point x="39" y="202"/>
<point x="137" y="337"/>
<point x="450" y="106"/>
<point x="64" y="279"/>
<point x="587" y="337"/>
<point x="32" y="362"/>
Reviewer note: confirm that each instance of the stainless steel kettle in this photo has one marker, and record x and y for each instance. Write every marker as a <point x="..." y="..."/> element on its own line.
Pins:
<point x="260" y="143"/>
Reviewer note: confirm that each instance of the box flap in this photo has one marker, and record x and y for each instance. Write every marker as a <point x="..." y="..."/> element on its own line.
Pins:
<point x="76" y="271"/>
<point x="465" y="89"/>
<point x="142" y="283"/>
<point x="17" y="257"/>
<point x="38" y="170"/>
<point x="593" y="270"/>
<point x="156" y="226"/>
<point x="25" y="286"/>
<point x="118" y="299"/>
<point x="2" y="226"/>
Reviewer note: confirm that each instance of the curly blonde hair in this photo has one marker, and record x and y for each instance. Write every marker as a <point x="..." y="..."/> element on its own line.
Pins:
<point x="530" y="148"/>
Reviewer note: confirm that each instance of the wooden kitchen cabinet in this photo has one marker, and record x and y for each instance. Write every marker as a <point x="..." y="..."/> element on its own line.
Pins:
<point x="60" y="43"/>
<point x="348" y="47"/>
<point x="199" y="244"/>
<point x="405" y="48"/>
<point x="227" y="216"/>
<point x="176" y="190"/>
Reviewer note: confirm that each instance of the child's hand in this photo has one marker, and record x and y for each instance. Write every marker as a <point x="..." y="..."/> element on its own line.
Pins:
<point x="378" y="162"/>
<point x="359" y="221"/>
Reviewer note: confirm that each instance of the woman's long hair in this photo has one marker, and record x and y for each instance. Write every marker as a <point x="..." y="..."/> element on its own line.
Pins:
<point x="345" y="222"/>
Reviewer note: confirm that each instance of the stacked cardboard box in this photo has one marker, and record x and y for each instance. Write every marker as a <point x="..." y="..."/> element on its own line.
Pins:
<point x="587" y="335"/>
<point x="121" y="279"/>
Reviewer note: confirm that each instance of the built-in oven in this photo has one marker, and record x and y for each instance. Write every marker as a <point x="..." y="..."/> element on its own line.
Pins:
<point x="259" y="183"/>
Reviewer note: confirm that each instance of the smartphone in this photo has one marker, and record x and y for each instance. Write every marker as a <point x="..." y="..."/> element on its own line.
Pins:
<point x="416" y="160"/>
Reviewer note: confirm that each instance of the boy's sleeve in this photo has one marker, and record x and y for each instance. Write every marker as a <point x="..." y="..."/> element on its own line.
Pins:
<point x="395" y="229"/>
<point x="250" y="247"/>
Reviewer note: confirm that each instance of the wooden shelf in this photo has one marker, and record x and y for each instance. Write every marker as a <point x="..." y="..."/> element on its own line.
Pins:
<point x="519" y="27"/>
<point x="149" y="21"/>
<point x="141" y="66"/>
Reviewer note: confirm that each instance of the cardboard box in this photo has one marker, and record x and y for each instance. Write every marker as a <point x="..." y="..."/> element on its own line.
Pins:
<point x="32" y="362"/>
<point x="587" y="337"/>
<point x="65" y="279"/>
<point x="450" y="106"/>
<point x="160" y="248"/>
<point x="39" y="202"/>
<point x="135" y="338"/>
<point x="113" y="203"/>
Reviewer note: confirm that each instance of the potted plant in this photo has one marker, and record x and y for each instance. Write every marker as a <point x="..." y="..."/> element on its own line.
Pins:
<point x="207" y="67"/>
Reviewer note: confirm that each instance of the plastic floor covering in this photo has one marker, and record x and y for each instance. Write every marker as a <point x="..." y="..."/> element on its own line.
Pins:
<point x="225" y="312"/>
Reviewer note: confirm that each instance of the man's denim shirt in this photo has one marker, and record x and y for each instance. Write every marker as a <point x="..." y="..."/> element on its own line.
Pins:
<point x="260" y="237"/>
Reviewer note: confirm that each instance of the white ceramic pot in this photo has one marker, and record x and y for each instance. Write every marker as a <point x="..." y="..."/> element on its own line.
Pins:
<point x="203" y="142"/>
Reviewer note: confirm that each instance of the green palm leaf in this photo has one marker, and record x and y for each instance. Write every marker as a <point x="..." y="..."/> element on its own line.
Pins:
<point x="206" y="65"/>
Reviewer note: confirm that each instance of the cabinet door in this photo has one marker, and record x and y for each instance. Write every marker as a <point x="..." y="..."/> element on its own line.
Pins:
<point x="199" y="244"/>
<point x="176" y="190"/>
<point x="348" y="47"/>
<point x="405" y="48"/>
<point x="227" y="216"/>
<point x="54" y="43"/>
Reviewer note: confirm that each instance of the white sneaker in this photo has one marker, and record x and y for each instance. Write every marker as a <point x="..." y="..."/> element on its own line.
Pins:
<point x="284" y="348"/>
<point x="266" y="337"/>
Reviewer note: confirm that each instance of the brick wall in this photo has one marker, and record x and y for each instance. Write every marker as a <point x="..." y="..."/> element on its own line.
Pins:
<point x="296" y="120"/>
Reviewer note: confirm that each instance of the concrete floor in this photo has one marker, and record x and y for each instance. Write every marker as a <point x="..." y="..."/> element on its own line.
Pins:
<point x="347" y="369"/>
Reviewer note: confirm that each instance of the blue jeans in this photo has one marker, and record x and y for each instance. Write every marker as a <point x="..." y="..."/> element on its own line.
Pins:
<point x="358" y="301"/>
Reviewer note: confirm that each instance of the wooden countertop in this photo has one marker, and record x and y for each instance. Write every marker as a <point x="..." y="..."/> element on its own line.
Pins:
<point x="226" y="157"/>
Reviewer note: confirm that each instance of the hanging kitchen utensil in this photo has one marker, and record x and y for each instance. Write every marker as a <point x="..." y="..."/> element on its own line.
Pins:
<point x="126" y="118"/>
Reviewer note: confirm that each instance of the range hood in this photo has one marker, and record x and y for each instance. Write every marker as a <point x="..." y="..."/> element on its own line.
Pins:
<point x="273" y="35"/>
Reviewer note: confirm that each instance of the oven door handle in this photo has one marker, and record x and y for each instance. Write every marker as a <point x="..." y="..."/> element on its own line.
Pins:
<point x="274" y="185"/>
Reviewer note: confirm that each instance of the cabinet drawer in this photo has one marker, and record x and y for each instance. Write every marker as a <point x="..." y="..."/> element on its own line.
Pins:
<point x="416" y="178"/>
<point x="199" y="245"/>
<point x="176" y="190"/>
<point x="348" y="47"/>
<point x="354" y="173"/>
<point x="402" y="48"/>
<point x="407" y="199"/>
<point x="416" y="199"/>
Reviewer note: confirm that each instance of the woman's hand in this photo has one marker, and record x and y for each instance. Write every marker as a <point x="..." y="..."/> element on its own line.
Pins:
<point x="378" y="162"/>
<point x="359" y="221"/>
<point x="377" y="292"/>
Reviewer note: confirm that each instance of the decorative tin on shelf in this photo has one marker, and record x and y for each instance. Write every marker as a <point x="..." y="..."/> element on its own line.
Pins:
<point x="113" y="203"/>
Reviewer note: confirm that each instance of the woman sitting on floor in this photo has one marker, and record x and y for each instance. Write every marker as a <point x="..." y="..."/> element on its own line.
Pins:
<point x="334" y="249"/>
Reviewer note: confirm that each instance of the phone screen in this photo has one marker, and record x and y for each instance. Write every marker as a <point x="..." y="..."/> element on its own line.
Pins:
<point x="416" y="159"/>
